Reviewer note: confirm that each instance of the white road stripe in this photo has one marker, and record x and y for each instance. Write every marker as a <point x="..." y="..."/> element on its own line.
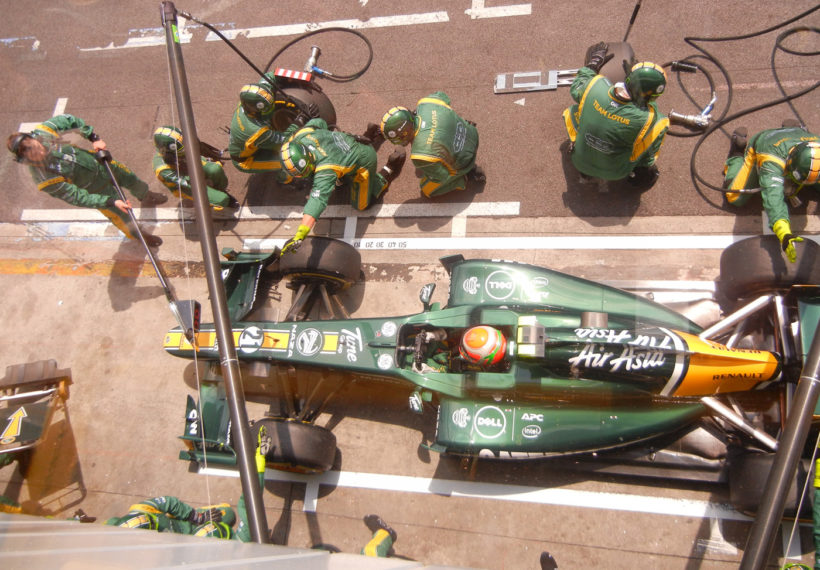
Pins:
<point x="495" y="491"/>
<point x="294" y="29"/>
<point x="479" y="11"/>
<point x="59" y="109"/>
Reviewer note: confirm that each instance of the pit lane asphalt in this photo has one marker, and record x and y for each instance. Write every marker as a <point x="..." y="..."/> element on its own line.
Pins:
<point x="88" y="300"/>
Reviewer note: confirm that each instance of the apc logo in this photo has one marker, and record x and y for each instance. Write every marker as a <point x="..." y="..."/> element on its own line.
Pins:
<point x="251" y="339"/>
<point x="499" y="285"/>
<point x="490" y="422"/>
<point x="309" y="342"/>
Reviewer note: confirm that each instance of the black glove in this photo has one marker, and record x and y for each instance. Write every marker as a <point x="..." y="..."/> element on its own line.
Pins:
<point x="201" y="517"/>
<point x="304" y="116"/>
<point x="597" y="56"/>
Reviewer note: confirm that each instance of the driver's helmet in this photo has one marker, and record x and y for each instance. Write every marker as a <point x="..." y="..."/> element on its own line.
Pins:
<point x="256" y="99"/>
<point x="483" y="345"/>
<point x="168" y="139"/>
<point x="146" y="521"/>
<point x="398" y="125"/>
<point x="297" y="160"/>
<point x="803" y="163"/>
<point x="645" y="82"/>
<point x="214" y="530"/>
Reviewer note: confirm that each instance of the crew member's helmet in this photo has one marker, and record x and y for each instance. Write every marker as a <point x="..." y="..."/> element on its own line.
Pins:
<point x="483" y="345"/>
<point x="168" y="139"/>
<point x="803" y="163"/>
<point x="15" y="145"/>
<point x="398" y="125"/>
<point x="146" y="521"/>
<point x="645" y="82"/>
<point x="256" y="99"/>
<point x="214" y="530"/>
<point x="297" y="160"/>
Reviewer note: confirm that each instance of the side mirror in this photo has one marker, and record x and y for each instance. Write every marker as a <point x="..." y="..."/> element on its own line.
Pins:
<point x="426" y="294"/>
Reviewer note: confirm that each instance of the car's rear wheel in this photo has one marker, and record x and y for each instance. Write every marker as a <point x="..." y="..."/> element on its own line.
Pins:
<point x="286" y="110"/>
<point x="337" y="263"/>
<point x="297" y="446"/>
<point x="757" y="265"/>
<point x="748" y="473"/>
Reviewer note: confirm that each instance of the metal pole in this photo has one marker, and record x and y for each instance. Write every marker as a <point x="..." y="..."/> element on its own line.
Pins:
<point x="632" y="19"/>
<point x="762" y="535"/>
<point x="227" y="350"/>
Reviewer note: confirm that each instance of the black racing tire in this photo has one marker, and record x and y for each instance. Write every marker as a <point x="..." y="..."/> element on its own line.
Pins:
<point x="298" y="447"/>
<point x="748" y="473"/>
<point x="758" y="265"/>
<point x="286" y="111"/>
<point x="614" y="68"/>
<point x="335" y="262"/>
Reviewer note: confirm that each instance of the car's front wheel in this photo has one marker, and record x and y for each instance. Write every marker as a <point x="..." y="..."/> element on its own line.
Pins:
<point x="298" y="447"/>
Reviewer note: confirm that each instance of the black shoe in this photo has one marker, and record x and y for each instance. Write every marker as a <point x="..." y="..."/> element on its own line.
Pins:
<point x="740" y="137"/>
<point x="233" y="203"/>
<point x="152" y="240"/>
<point x="375" y="522"/>
<point x="643" y="176"/>
<point x="154" y="199"/>
<point x="547" y="561"/>
<point x="477" y="174"/>
<point x="790" y="124"/>
<point x="79" y="515"/>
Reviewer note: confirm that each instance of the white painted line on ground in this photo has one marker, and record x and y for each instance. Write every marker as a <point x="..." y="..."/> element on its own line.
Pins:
<point x="459" y="226"/>
<point x="496" y="491"/>
<point x="59" y="109"/>
<point x="479" y="11"/>
<point x="294" y="29"/>
<point x="604" y="242"/>
<point x="288" y="212"/>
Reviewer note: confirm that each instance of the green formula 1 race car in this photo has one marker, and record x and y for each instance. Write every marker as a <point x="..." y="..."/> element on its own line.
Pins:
<point x="523" y="362"/>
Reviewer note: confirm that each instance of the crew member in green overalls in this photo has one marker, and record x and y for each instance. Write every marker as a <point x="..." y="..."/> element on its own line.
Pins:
<point x="334" y="158"/>
<point x="780" y="162"/>
<point x="616" y="131"/>
<point x="171" y="169"/>
<point x="75" y="176"/>
<point x="444" y="146"/>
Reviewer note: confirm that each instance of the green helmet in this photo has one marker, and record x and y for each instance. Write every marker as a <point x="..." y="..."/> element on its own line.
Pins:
<point x="146" y="521"/>
<point x="169" y="139"/>
<point x="256" y="99"/>
<point x="214" y="530"/>
<point x="645" y="82"/>
<point x="803" y="163"/>
<point x="398" y="125"/>
<point x="297" y="160"/>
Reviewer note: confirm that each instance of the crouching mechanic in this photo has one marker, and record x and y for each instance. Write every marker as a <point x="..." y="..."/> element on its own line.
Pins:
<point x="171" y="169"/>
<point x="616" y="131"/>
<point x="780" y="162"/>
<point x="334" y="159"/>
<point x="444" y="145"/>
<point x="169" y="514"/>
<point x="75" y="176"/>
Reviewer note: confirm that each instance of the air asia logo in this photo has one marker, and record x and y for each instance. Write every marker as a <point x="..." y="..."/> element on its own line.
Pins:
<point x="251" y="339"/>
<point x="499" y="285"/>
<point x="470" y="285"/>
<point x="490" y="422"/>
<point x="460" y="417"/>
<point x="309" y="342"/>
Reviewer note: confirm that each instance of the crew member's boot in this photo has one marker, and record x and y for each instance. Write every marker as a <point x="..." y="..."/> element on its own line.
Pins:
<point x="740" y="137"/>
